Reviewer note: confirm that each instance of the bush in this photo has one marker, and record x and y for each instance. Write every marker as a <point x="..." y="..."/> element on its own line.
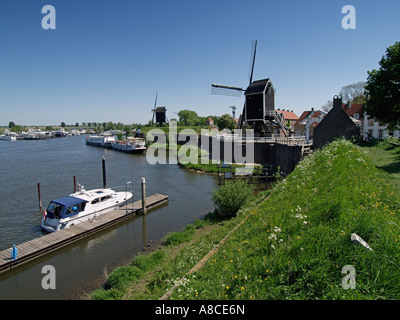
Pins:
<point x="232" y="196"/>
<point x="123" y="276"/>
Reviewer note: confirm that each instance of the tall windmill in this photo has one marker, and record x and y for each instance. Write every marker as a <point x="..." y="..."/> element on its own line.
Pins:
<point x="259" y="106"/>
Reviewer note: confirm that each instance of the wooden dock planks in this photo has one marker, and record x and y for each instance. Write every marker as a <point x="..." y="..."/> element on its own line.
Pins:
<point x="49" y="242"/>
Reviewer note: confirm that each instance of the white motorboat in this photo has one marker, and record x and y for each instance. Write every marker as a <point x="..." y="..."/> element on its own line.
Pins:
<point x="8" y="137"/>
<point x="130" y="145"/>
<point x="81" y="206"/>
<point x="100" y="141"/>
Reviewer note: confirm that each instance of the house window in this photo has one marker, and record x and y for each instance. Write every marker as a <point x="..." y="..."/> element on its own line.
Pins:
<point x="371" y="122"/>
<point x="380" y="134"/>
<point x="356" y="116"/>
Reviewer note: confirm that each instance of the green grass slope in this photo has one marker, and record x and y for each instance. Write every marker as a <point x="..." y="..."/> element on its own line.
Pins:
<point x="296" y="244"/>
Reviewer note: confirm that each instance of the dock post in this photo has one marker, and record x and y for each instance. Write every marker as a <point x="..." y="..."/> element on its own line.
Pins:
<point x="40" y="197"/>
<point x="74" y="184"/>
<point x="144" y="195"/>
<point x="14" y="252"/>
<point x="104" y="172"/>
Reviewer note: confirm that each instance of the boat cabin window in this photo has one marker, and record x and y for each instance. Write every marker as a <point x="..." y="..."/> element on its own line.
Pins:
<point x="76" y="208"/>
<point x="54" y="209"/>
<point x="98" y="200"/>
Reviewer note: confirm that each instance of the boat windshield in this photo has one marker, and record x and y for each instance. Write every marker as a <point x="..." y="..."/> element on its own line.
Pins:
<point x="54" y="210"/>
<point x="65" y="207"/>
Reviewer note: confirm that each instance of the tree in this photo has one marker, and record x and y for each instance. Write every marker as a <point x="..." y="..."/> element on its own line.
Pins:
<point x="17" y="129"/>
<point x="383" y="89"/>
<point x="11" y="124"/>
<point x="188" y="117"/>
<point x="226" y="121"/>
<point x="353" y="92"/>
<point x="327" y="106"/>
<point x="63" y="124"/>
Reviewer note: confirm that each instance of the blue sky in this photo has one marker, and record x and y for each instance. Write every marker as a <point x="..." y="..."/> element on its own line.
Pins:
<point x="106" y="59"/>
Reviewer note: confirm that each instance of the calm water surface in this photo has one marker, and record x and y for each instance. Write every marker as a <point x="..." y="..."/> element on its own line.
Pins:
<point x="83" y="266"/>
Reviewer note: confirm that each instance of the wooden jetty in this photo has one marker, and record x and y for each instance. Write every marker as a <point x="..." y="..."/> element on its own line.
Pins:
<point x="253" y="175"/>
<point x="35" y="248"/>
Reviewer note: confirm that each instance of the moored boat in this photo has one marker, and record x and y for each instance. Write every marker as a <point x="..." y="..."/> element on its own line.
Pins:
<point x="81" y="206"/>
<point x="130" y="145"/>
<point x="100" y="141"/>
<point x="8" y="137"/>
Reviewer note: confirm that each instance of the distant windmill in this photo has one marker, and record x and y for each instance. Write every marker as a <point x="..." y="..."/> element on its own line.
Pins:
<point x="259" y="106"/>
<point x="159" y="113"/>
<point x="233" y="111"/>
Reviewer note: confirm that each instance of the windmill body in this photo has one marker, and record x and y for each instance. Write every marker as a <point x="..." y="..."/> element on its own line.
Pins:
<point x="159" y="113"/>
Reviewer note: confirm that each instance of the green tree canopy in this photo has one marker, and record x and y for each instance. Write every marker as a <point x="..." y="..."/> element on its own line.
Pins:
<point x="383" y="89"/>
<point x="226" y="121"/>
<point x="188" y="117"/>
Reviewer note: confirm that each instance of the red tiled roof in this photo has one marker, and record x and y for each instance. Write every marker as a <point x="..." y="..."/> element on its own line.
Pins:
<point x="354" y="108"/>
<point x="316" y="114"/>
<point x="302" y="117"/>
<point x="288" y="115"/>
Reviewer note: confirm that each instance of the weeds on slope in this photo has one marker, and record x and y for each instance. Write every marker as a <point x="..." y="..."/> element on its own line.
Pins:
<point x="296" y="244"/>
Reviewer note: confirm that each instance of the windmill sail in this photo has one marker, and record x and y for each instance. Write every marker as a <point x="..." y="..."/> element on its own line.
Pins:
<point x="253" y="60"/>
<point x="154" y="110"/>
<point x="226" y="90"/>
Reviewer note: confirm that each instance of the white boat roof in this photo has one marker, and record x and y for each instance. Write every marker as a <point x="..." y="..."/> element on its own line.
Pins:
<point x="89" y="195"/>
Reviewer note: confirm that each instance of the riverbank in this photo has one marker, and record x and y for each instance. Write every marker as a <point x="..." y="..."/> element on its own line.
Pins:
<point x="294" y="245"/>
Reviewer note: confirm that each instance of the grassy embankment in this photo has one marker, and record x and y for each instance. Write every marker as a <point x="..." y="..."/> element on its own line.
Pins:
<point x="295" y="244"/>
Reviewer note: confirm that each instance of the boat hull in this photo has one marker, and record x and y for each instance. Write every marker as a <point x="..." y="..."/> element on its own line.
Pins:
<point x="99" y="144"/>
<point x="138" y="150"/>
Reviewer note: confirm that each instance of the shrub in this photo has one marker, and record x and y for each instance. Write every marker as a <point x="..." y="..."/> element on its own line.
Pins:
<point x="123" y="276"/>
<point x="232" y="196"/>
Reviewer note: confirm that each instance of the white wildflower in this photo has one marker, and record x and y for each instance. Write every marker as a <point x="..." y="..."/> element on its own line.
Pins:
<point x="272" y="236"/>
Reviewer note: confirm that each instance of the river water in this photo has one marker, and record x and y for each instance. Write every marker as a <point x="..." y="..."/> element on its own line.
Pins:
<point x="83" y="266"/>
